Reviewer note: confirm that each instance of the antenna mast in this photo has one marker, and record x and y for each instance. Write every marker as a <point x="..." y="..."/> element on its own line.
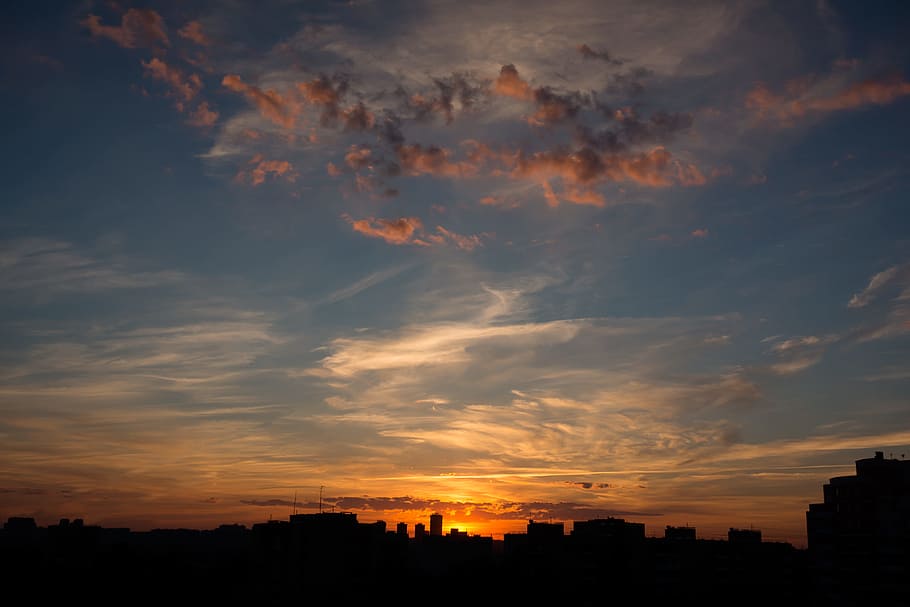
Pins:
<point x="295" y="501"/>
<point x="320" y="499"/>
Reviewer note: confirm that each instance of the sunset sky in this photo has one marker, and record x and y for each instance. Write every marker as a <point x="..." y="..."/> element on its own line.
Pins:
<point x="499" y="260"/>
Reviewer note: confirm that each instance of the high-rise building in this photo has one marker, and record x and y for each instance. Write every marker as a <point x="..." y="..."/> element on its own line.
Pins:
<point x="402" y="529"/>
<point x="436" y="524"/>
<point x="420" y="530"/>
<point x="859" y="536"/>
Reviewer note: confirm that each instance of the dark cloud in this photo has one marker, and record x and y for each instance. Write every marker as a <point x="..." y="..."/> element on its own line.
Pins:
<point x="271" y="502"/>
<point x="590" y="485"/>
<point x="23" y="491"/>
<point x="326" y="93"/>
<point x="588" y="53"/>
<point x="388" y="128"/>
<point x="358" y="118"/>
<point x="629" y="129"/>
<point x="629" y="83"/>
<point x="458" y="88"/>
<point x="553" y="107"/>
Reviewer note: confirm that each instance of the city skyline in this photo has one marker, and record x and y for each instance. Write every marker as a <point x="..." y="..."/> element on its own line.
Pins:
<point x="503" y="261"/>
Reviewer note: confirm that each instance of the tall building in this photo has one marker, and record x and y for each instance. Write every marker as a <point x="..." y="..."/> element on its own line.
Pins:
<point x="420" y="530"/>
<point x="435" y="524"/>
<point x="402" y="529"/>
<point x="859" y="536"/>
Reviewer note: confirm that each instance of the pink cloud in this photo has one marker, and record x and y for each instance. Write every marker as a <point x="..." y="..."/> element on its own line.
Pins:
<point x="700" y="233"/>
<point x="260" y="168"/>
<point x="270" y="104"/>
<point x="320" y="91"/>
<point x="467" y="243"/>
<point x="432" y="160"/>
<point x="801" y="99"/>
<point x="358" y="157"/>
<point x="183" y="87"/>
<point x="510" y="84"/>
<point x="192" y="31"/>
<point x="138" y="27"/>
<point x="203" y="115"/>
<point x="394" y="231"/>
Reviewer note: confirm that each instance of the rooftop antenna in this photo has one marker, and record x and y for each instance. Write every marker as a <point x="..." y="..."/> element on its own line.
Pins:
<point x="320" y="499"/>
<point x="295" y="501"/>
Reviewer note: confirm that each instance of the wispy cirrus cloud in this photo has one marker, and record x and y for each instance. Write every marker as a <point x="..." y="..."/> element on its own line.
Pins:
<point x="898" y="274"/>
<point x="823" y="95"/>
<point x="894" y="321"/>
<point x="40" y="265"/>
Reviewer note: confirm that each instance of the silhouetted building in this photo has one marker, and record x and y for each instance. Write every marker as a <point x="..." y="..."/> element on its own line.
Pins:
<point x="609" y="528"/>
<point x="420" y="530"/>
<point x="545" y="531"/>
<point x="744" y="536"/>
<point x="859" y="536"/>
<point x="679" y="533"/>
<point x="402" y="529"/>
<point x="20" y="524"/>
<point x="436" y="525"/>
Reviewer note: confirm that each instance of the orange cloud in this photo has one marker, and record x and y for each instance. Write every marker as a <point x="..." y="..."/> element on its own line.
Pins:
<point x="867" y="92"/>
<point x="185" y="88"/>
<point x="203" y="115"/>
<point x="510" y="84"/>
<point x="358" y="157"/>
<point x="193" y="31"/>
<point x="432" y="160"/>
<point x="584" y="196"/>
<point x="648" y="168"/>
<point x="269" y="103"/>
<point x="581" y="166"/>
<point x="548" y="194"/>
<point x="261" y="168"/>
<point x="798" y="100"/>
<point x="319" y="91"/>
<point x="138" y="27"/>
<point x="394" y="231"/>
<point x="580" y="169"/>
<point x="467" y="243"/>
<point x="700" y="233"/>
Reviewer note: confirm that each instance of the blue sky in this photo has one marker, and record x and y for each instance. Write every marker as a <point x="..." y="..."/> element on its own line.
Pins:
<point x="500" y="260"/>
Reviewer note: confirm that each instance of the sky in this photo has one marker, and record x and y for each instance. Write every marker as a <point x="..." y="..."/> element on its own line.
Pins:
<point x="502" y="260"/>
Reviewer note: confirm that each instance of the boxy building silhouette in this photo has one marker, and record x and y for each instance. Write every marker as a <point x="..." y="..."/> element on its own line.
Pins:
<point x="859" y="536"/>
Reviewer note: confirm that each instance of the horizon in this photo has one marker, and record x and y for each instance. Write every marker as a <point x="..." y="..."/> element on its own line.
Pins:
<point x="505" y="261"/>
<point x="390" y="526"/>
